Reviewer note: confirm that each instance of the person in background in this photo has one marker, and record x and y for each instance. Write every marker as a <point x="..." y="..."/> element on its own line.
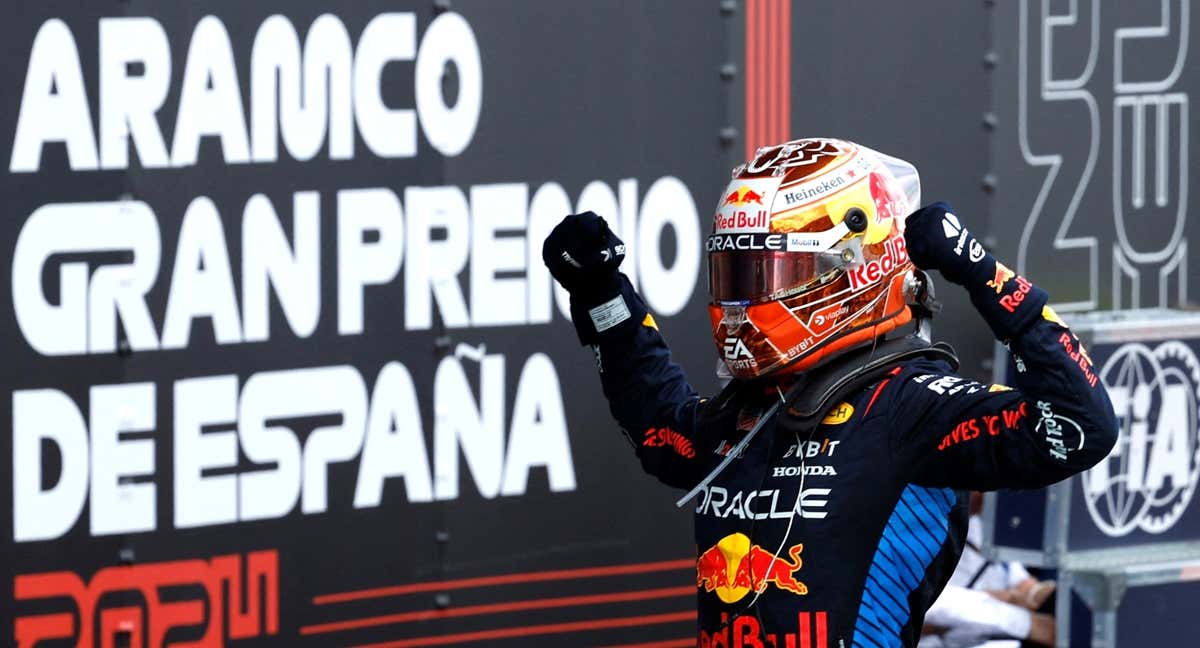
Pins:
<point x="988" y="603"/>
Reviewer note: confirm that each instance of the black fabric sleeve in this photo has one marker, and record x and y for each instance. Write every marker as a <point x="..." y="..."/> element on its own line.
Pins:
<point x="647" y="393"/>
<point x="1056" y="422"/>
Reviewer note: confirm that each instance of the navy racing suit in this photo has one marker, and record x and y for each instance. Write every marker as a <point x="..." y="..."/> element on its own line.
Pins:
<point x="844" y="536"/>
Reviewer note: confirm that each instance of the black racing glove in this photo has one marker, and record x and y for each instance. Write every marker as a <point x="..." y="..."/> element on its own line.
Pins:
<point x="584" y="255"/>
<point x="938" y="240"/>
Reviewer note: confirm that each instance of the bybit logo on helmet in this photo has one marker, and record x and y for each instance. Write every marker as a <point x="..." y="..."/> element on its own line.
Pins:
<point x="895" y="254"/>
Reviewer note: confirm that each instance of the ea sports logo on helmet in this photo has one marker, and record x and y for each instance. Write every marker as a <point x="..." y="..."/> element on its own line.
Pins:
<point x="735" y="349"/>
<point x="1148" y="480"/>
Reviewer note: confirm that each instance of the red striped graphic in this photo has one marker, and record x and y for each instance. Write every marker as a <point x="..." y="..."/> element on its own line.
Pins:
<point x="506" y="579"/>
<point x="506" y="606"/>
<point x="497" y="608"/>
<point x="768" y="73"/>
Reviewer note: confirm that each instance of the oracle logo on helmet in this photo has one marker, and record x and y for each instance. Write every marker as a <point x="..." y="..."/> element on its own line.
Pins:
<point x="745" y="242"/>
<point x="895" y="254"/>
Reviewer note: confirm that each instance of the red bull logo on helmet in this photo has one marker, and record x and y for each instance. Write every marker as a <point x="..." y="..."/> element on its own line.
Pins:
<point x="743" y="195"/>
<point x="734" y="567"/>
<point x="895" y="254"/>
<point x="746" y="206"/>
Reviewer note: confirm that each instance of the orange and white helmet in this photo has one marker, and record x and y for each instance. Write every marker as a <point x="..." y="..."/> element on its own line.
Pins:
<point x="807" y="257"/>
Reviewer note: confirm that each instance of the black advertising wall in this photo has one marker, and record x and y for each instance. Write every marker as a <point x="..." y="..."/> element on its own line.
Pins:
<point x="266" y="357"/>
<point x="281" y="364"/>
<point x="1091" y="149"/>
<point x="1092" y="161"/>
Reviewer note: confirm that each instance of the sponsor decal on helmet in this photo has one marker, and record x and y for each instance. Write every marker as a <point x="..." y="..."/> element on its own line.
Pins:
<point x="735" y="349"/>
<point x="746" y="207"/>
<point x="800" y="153"/>
<point x="889" y="202"/>
<point x="743" y="195"/>
<point x="828" y="183"/>
<point x="745" y="242"/>
<point x="895" y="254"/>
<point x="813" y="190"/>
<point x="798" y="242"/>
<point x="743" y="220"/>
<point x="816" y="241"/>
<point x="823" y="320"/>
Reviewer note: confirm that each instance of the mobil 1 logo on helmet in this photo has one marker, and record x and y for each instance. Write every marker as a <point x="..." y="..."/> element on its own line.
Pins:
<point x="1148" y="480"/>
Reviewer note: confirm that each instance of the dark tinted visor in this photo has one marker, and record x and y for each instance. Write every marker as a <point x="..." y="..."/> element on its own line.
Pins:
<point x="762" y="275"/>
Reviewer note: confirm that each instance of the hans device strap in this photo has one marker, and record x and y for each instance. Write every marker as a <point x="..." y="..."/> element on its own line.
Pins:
<point x="820" y="389"/>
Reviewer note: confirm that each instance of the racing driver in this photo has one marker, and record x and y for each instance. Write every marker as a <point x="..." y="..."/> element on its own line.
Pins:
<point x="830" y="476"/>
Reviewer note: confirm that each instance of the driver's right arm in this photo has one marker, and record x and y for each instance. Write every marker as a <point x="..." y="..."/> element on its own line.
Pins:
<point x="647" y="393"/>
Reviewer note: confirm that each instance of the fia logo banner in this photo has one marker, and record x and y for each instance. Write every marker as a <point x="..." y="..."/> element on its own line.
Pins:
<point x="1148" y="480"/>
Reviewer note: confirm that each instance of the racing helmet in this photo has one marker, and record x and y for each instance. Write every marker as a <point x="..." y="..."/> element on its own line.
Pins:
<point x="807" y="258"/>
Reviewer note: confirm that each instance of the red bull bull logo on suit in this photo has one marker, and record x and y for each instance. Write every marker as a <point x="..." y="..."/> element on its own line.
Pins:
<point x="734" y="566"/>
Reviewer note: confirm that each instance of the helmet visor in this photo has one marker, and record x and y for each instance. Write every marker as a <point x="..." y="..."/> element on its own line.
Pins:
<point x="748" y="277"/>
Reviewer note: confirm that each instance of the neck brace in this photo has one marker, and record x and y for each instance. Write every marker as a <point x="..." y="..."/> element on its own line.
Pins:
<point x="820" y="389"/>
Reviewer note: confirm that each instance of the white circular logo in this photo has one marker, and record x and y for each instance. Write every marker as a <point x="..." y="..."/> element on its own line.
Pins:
<point x="975" y="251"/>
<point x="1148" y="479"/>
